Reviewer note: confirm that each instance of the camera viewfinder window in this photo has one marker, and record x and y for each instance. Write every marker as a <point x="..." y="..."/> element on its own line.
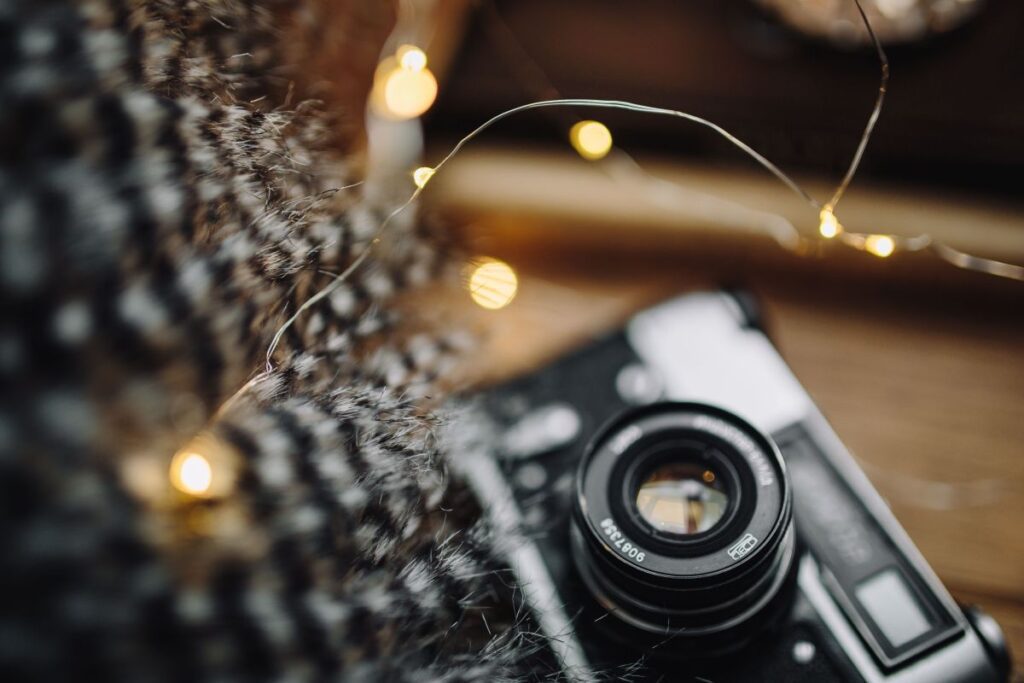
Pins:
<point x="893" y="607"/>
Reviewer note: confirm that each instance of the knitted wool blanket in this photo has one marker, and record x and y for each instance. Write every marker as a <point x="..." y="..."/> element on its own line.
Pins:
<point x="175" y="180"/>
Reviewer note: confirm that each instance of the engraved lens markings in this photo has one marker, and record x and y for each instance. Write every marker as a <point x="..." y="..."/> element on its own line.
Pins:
<point x="743" y="546"/>
<point x="626" y="438"/>
<point x="617" y="539"/>
<point x="746" y="446"/>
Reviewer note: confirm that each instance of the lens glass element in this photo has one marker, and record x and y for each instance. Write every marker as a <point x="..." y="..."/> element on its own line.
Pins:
<point x="682" y="498"/>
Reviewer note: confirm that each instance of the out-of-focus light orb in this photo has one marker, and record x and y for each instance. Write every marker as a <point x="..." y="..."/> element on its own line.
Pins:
<point x="492" y="283"/>
<point x="411" y="57"/>
<point x="403" y="86"/>
<point x="422" y="175"/>
<point x="881" y="246"/>
<point x="408" y="94"/>
<point x="191" y="473"/>
<point x="829" y="225"/>
<point x="591" y="139"/>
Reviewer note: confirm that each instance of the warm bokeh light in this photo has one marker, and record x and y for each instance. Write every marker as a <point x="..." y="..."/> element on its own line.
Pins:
<point x="492" y="283"/>
<point x="411" y="57"/>
<point x="880" y="245"/>
<point x="591" y="139"/>
<point x="205" y="468"/>
<point x="408" y="94"/>
<point x="191" y="473"/>
<point x="422" y="175"/>
<point x="829" y="226"/>
<point x="403" y="86"/>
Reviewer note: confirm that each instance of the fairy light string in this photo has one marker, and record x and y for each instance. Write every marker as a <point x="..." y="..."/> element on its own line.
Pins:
<point x="880" y="245"/>
<point x="594" y="141"/>
<point x="621" y="166"/>
<point x="427" y="173"/>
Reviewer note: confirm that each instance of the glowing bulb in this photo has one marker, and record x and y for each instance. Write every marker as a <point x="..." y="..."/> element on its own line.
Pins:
<point x="829" y="226"/>
<point x="411" y="58"/>
<point x="492" y="283"/>
<point x="191" y="473"/>
<point x="591" y="139"/>
<point x="422" y="175"/>
<point x="880" y="245"/>
<point x="403" y="92"/>
<point x="409" y="93"/>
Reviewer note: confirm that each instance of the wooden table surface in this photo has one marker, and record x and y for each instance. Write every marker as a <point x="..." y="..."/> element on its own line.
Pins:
<point x="925" y="388"/>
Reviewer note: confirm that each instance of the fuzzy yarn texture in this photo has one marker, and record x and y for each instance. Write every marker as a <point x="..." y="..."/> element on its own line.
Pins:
<point x="175" y="179"/>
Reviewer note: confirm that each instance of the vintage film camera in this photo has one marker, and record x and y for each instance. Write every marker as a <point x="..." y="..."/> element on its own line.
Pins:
<point x="677" y="507"/>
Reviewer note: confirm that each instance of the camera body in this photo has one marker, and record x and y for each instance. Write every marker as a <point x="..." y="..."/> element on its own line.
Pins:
<point x="675" y="506"/>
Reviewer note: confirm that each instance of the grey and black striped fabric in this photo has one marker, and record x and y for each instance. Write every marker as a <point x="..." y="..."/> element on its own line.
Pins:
<point x="169" y="193"/>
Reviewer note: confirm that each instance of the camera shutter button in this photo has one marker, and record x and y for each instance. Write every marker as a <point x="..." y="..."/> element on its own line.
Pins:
<point x="540" y="431"/>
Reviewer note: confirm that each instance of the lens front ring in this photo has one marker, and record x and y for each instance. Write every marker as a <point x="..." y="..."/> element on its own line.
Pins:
<point x="711" y="629"/>
<point x="706" y="583"/>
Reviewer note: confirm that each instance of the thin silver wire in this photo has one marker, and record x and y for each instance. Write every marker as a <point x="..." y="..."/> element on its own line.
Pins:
<point x="949" y="254"/>
<point x="876" y="111"/>
<point x="476" y="132"/>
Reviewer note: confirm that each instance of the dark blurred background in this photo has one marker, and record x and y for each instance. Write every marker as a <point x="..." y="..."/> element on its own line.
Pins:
<point x="954" y="114"/>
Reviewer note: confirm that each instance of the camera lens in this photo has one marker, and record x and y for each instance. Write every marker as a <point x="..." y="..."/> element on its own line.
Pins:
<point x="682" y="498"/>
<point x="683" y="528"/>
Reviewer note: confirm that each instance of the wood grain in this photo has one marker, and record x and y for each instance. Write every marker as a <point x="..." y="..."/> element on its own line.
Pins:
<point x="539" y="195"/>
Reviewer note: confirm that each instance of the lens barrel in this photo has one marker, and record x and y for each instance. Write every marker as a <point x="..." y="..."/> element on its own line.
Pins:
<point x="666" y="570"/>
